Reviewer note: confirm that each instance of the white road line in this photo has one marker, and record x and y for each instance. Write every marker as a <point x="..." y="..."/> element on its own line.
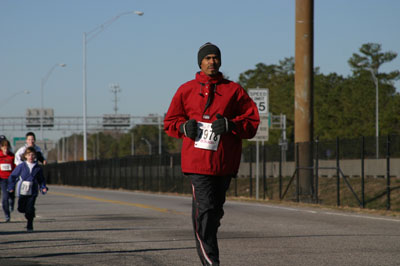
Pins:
<point x="319" y="212"/>
<point x="362" y="216"/>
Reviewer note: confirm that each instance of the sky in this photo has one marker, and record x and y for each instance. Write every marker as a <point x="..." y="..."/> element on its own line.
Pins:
<point x="150" y="56"/>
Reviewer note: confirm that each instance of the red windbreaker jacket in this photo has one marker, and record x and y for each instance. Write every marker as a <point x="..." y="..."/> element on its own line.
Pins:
<point x="195" y="100"/>
<point x="6" y="164"/>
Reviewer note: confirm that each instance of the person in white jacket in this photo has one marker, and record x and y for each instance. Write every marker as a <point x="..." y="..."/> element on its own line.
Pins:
<point x="30" y="142"/>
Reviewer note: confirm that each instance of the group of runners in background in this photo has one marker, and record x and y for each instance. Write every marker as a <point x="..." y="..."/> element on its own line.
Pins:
<point x="21" y="176"/>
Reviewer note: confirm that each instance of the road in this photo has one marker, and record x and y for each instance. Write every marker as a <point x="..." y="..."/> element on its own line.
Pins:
<point x="81" y="226"/>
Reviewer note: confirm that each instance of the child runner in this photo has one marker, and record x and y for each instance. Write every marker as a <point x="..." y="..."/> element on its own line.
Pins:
<point x="30" y="176"/>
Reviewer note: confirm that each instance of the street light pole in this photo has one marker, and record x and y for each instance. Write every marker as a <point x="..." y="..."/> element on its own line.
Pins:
<point x="84" y="98"/>
<point x="42" y="83"/>
<point x="148" y="144"/>
<point x="132" y="144"/>
<point x="376" y="110"/>
<point x="12" y="96"/>
<point x="87" y="36"/>
<point x="159" y="135"/>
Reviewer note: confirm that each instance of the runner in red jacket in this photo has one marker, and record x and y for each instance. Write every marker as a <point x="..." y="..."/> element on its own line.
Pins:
<point x="6" y="167"/>
<point x="212" y="115"/>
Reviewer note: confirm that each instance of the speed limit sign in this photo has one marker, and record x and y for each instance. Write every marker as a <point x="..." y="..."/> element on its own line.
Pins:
<point x="260" y="97"/>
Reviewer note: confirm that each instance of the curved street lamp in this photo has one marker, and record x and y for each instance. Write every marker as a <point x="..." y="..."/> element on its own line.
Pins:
<point x="42" y="83"/>
<point x="12" y="96"/>
<point x="148" y="144"/>
<point x="88" y="36"/>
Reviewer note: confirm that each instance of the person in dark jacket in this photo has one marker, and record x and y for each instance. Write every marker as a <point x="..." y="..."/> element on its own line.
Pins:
<point x="212" y="115"/>
<point x="30" y="177"/>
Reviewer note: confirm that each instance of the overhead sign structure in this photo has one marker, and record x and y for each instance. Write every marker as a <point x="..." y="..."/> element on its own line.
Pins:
<point x="116" y="120"/>
<point x="33" y="117"/>
<point x="261" y="99"/>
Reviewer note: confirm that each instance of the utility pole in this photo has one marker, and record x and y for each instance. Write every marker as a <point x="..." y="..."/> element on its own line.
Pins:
<point x="115" y="89"/>
<point x="303" y="102"/>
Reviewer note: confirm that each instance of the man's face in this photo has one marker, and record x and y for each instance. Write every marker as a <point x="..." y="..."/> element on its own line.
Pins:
<point x="30" y="141"/>
<point x="210" y="64"/>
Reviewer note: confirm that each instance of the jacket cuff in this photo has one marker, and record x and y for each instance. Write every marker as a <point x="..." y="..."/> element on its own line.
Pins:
<point x="182" y="128"/>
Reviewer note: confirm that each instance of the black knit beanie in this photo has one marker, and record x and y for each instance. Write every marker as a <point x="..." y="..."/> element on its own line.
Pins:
<point x="206" y="49"/>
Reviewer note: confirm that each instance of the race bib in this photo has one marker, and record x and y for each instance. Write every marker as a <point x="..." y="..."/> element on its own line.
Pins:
<point x="5" y="167"/>
<point x="206" y="138"/>
<point x="26" y="188"/>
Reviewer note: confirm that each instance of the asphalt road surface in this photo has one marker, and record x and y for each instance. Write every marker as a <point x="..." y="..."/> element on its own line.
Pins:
<point x="80" y="226"/>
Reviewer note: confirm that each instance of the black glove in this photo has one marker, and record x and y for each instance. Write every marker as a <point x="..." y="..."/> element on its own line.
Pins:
<point x="189" y="128"/>
<point x="222" y="125"/>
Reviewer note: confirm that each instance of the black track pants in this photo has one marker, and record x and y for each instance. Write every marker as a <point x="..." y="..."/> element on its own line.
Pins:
<point x="26" y="204"/>
<point x="208" y="194"/>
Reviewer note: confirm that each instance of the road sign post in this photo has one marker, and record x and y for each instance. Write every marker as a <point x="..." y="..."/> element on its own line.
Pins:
<point x="261" y="99"/>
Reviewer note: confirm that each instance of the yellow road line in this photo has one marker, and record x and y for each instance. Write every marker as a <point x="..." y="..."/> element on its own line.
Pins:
<point x="139" y="205"/>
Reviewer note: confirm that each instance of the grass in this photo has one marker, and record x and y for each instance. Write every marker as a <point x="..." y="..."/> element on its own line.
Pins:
<point x="374" y="192"/>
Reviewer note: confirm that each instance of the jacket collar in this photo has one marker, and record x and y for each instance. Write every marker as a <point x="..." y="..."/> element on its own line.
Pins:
<point x="27" y="167"/>
<point x="204" y="79"/>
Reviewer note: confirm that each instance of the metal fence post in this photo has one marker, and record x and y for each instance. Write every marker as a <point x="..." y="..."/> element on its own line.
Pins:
<point x="251" y="172"/>
<point x="280" y="176"/>
<point x="337" y="174"/>
<point x="297" y="174"/>
<point x="143" y="163"/>
<point x="159" y="172"/>
<point x="171" y="164"/>
<point x="137" y="173"/>
<point x="264" y="171"/>
<point x="388" y="172"/>
<point x="362" y="172"/>
<point x="316" y="170"/>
